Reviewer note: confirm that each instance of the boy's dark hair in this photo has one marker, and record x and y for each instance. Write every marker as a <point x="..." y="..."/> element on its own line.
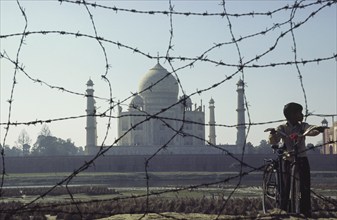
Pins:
<point x="291" y="108"/>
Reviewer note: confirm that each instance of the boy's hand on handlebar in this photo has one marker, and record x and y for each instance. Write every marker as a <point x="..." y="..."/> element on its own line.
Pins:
<point x="272" y="131"/>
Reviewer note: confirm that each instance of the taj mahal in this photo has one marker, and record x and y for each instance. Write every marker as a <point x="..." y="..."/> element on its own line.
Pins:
<point x="158" y="120"/>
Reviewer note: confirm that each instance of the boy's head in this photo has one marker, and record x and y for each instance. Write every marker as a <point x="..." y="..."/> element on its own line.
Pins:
<point x="293" y="112"/>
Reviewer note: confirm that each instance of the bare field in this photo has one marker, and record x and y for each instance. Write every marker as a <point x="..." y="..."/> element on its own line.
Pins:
<point x="113" y="196"/>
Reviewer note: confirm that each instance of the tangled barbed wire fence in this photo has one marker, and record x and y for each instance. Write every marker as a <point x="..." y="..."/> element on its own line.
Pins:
<point x="284" y="27"/>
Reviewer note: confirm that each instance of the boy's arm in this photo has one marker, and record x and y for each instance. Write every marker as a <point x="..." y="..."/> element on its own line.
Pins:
<point x="316" y="130"/>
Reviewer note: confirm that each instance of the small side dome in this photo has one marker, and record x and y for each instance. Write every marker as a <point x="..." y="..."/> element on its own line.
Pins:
<point x="211" y="102"/>
<point x="137" y="102"/>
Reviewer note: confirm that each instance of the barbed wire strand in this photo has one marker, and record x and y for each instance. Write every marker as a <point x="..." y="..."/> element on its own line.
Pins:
<point x="292" y="24"/>
<point x="219" y="14"/>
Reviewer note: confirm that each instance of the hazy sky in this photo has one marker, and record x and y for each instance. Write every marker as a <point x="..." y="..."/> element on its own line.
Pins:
<point x="68" y="61"/>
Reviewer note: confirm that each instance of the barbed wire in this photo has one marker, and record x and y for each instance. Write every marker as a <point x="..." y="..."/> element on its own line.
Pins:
<point x="241" y="66"/>
<point x="220" y="14"/>
<point x="10" y="101"/>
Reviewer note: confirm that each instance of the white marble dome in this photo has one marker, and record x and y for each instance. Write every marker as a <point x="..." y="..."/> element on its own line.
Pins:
<point x="158" y="83"/>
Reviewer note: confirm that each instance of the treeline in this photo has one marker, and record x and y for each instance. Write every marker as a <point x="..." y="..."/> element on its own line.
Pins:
<point x="45" y="145"/>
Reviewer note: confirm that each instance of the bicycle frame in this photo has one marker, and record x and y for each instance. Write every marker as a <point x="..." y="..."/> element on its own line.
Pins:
<point x="273" y="180"/>
<point x="295" y="192"/>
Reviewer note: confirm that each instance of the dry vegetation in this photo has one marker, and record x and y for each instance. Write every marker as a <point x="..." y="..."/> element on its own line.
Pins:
<point x="210" y="206"/>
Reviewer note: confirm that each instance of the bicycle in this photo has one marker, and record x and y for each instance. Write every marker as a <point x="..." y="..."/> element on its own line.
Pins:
<point x="273" y="184"/>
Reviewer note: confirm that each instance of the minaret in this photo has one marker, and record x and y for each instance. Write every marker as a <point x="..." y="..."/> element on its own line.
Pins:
<point x="241" y="128"/>
<point x="211" y="122"/>
<point x="325" y="149"/>
<point x="91" y="146"/>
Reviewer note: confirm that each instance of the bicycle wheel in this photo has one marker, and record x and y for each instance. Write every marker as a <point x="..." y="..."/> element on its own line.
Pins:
<point x="271" y="196"/>
<point x="295" y="190"/>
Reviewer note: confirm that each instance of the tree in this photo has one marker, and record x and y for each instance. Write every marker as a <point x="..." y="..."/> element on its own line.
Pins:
<point x="26" y="149"/>
<point x="249" y="148"/>
<point x="80" y="151"/>
<point x="53" y="146"/>
<point x="263" y="148"/>
<point x="24" y="137"/>
<point x="45" y="130"/>
<point x="24" y="140"/>
<point x="11" y="152"/>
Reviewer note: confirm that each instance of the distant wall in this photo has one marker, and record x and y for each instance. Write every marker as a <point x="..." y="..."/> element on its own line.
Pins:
<point x="162" y="163"/>
<point x="182" y="149"/>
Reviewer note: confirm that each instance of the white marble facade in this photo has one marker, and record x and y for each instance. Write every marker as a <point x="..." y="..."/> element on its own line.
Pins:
<point x="155" y="116"/>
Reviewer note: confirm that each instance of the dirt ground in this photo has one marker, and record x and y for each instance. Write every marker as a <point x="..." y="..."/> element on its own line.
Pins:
<point x="197" y="216"/>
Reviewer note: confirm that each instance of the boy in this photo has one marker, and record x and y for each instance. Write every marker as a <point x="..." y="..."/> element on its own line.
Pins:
<point x="292" y="128"/>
